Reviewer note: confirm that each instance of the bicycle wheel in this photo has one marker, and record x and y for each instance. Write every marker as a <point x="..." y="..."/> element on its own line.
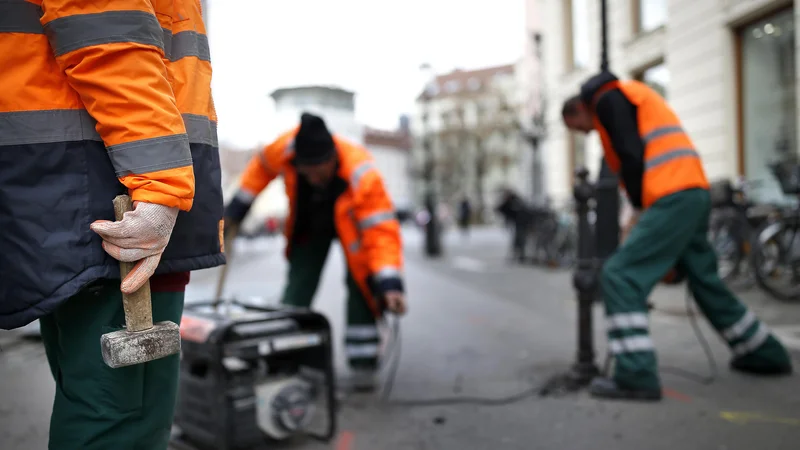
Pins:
<point x="725" y="238"/>
<point x="776" y="260"/>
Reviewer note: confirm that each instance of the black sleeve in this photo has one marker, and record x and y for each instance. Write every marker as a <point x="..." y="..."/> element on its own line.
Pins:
<point x="618" y="117"/>
<point x="236" y="210"/>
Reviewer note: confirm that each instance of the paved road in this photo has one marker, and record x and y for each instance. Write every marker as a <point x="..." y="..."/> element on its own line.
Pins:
<point x="480" y="327"/>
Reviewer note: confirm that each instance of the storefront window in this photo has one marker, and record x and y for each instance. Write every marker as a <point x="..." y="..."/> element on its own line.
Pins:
<point x="657" y="77"/>
<point x="769" y="107"/>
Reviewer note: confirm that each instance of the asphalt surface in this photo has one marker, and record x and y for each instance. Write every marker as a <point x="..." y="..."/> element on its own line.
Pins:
<point x="479" y="326"/>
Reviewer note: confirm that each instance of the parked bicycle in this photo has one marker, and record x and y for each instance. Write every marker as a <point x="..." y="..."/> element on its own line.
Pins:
<point x="733" y="225"/>
<point x="553" y="238"/>
<point x="776" y="258"/>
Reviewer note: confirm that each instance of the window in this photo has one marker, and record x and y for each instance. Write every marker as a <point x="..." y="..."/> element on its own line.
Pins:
<point x="649" y="15"/>
<point x="452" y="86"/>
<point x="768" y="102"/>
<point x="474" y="84"/>
<point x="657" y="77"/>
<point x="577" y="28"/>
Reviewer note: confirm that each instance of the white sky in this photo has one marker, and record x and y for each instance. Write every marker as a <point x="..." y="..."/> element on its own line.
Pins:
<point x="372" y="47"/>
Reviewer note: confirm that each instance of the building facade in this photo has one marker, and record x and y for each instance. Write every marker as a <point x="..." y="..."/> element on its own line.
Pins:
<point x="470" y="121"/>
<point x="727" y="67"/>
<point x="391" y="150"/>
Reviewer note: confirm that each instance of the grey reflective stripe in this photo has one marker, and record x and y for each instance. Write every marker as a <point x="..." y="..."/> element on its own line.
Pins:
<point x="359" y="173"/>
<point x="669" y="156"/>
<point x="632" y="344"/>
<point x="245" y="196"/>
<point x="355" y="246"/>
<point x="201" y="129"/>
<point x="188" y="43"/>
<point x="20" y="17"/>
<point x="388" y="272"/>
<point x="63" y="125"/>
<point x="289" y="148"/>
<point x="167" y="39"/>
<point x="71" y="33"/>
<point x="627" y="321"/>
<point x="361" y="332"/>
<point x="755" y="341"/>
<point x="150" y="155"/>
<point x="738" y="329"/>
<point x="375" y="219"/>
<point x="41" y="127"/>
<point x="661" y="132"/>
<point x="361" y="350"/>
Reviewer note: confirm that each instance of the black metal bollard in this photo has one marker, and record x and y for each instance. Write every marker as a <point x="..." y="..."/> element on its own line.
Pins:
<point x="585" y="282"/>
<point x="585" y="278"/>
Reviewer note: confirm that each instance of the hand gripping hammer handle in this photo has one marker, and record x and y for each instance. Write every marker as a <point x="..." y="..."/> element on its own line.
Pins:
<point x="138" y="307"/>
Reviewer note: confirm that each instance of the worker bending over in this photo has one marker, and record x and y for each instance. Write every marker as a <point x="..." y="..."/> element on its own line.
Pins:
<point x="334" y="191"/>
<point x="102" y="99"/>
<point x="645" y="144"/>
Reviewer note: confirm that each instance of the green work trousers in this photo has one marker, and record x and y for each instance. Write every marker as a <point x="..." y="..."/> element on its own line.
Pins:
<point x="673" y="232"/>
<point x="306" y="261"/>
<point x="97" y="407"/>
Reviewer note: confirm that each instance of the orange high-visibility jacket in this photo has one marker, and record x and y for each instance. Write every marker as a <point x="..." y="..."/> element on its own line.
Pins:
<point x="100" y="98"/>
<point x="671" y="163"/>
<point x="364" y="215"/>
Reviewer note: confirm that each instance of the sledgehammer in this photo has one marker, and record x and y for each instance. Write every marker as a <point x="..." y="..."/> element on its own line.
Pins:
<point x="140" y="341"/>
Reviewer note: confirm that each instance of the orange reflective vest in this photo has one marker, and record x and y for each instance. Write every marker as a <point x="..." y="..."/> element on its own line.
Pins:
<point x="671" y="163"/>
<point x="364" y="215"/>
<point x="100" y="98"/>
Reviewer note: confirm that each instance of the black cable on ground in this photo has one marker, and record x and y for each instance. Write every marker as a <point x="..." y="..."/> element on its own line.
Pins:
<point x="392" y="362"/>
<point x="712" y="364"/>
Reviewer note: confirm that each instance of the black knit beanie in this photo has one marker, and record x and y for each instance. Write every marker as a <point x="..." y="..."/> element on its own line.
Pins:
<point x="313" y="143"/>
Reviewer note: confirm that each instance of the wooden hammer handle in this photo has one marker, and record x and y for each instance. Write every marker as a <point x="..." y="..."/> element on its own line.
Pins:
<point x="138" y="308"/>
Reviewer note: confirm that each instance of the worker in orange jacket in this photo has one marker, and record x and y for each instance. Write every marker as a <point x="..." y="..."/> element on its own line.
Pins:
<point x="335" y="192"/>
<point x="645" y="144"/>
<point x="101" y="99"/>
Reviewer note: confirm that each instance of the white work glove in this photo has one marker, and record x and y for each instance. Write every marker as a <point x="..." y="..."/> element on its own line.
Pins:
<point x="141" y="235"/>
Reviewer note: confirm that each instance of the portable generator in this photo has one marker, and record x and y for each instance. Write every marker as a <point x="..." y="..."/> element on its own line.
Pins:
<point x="251" y="376"/>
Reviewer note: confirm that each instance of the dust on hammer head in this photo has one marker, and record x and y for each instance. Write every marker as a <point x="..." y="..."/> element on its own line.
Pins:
<point x="126" y="348"/>
<point x="140" y="341"/>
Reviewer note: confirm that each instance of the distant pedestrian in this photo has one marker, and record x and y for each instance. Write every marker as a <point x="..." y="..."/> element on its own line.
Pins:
<point x="513" y="210"/>
<point x="464" y="216"/>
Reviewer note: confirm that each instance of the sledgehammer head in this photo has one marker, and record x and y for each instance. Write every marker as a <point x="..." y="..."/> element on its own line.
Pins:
<point x="126" y="348"/>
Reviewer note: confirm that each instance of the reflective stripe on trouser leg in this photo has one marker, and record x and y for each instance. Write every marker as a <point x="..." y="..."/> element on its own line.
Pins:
<point x="361" y="340"/>
<point x="629" y="343"/>
<point x="746" y="335"/>
<point x="362" y="345"/>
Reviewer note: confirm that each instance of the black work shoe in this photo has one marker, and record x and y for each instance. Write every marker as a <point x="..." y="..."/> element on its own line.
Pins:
<point x="609" y="389"/>
<point x="754" y="366"/>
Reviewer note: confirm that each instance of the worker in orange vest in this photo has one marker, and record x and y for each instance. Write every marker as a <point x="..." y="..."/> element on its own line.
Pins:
<point x="101" y="99"/>
<point x="335" y="192"/>
<point x="645" y="144"/>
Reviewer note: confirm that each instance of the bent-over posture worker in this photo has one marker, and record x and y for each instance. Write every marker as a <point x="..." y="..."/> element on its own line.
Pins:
<point x="101" y="99"/>
<point x="334" y="191"/>
<point x="645" y="144"/>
